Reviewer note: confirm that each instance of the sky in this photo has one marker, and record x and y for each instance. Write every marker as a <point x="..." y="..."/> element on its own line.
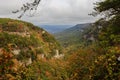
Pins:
<point x="49" y="12"/>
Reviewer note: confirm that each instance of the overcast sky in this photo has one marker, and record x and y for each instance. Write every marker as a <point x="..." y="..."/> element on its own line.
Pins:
<point x="52" y="11"/>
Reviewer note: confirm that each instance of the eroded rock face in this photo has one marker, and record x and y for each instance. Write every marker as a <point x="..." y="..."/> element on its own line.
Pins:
<point x="23" y="34"/>
<point x="16" y="51"/>
<point x="118" y="58"/>
<point x="43" y="32"/>
<point x="29" y="61"/>
<point x="58" y="55"/>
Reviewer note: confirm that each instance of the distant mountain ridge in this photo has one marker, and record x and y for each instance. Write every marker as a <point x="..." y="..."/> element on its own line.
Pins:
<point x="55" y="28"/>
<point x="71" y="35"/>
<point x="78" y="27"/>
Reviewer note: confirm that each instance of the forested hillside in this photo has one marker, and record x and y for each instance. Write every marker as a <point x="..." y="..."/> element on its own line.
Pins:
<point x="72" y="35"/>
<point x="99" y="60"/>
<point x="22" y="45"/>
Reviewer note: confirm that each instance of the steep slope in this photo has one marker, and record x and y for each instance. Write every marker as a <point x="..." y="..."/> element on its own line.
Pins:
<point x="71" y="36"/>
<point x="22" y="46"/>
<point x="25" y="41"/>
<point x="24" y="37"/>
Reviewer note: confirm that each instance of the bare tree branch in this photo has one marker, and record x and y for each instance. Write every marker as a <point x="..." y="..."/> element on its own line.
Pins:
<point x="28" y="7"/>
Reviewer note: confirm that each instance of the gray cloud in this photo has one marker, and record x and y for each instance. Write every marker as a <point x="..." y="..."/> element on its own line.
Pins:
<point x="52" y="11"/>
